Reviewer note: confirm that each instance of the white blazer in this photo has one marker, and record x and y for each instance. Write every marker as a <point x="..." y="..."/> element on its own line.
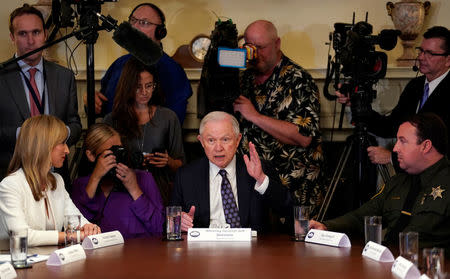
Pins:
<point x="18" y="209"/>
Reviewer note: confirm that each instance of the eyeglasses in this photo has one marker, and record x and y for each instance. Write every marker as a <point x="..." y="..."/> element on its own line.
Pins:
<point x="148" y="87"/>
<point x="141" y="22"/>
<point x="429" y="54"/>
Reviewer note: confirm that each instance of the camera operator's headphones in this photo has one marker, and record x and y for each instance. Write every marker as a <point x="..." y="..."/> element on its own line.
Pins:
<point x="160" y="31"/>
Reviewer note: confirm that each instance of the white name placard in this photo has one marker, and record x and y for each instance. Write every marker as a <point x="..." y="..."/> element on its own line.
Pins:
<point x="66" y="255"/>
<point x="206" y="234"/>
<point x="377" y="252"/>
<point x="102" y="240"/>
<point x="328" y="238"/>
<point x="7" y="271"/>
<point x="405" y="269"/>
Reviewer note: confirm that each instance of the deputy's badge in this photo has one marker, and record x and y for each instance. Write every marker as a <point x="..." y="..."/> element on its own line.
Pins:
<point x="436" y="192"/>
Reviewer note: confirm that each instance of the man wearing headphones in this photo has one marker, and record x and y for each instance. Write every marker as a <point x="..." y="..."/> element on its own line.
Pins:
<point x="150" y="20"/>
<point x="427" y="93"/>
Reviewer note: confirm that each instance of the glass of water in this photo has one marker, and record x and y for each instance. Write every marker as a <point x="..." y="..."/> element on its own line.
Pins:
<point x="72" y="224"/>
<point x="409" y="246"/>
<point x="372" y="228"/>
<point x="433" y="261"/>
<point x="173" y="222"/>
<point x="301" y="222"/>
<point x="18" y="247"/>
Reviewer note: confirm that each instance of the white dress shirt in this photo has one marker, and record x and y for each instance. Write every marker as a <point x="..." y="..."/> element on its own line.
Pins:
<point x="39" y="78"/>
<point x="217" y="216"/>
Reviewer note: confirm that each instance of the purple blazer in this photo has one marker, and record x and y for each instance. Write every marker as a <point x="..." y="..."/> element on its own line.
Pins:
<point x="133" y="218"/>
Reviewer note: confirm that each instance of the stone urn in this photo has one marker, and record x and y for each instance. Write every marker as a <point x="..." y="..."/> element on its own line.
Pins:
<point x="45" y="6"/>
<point x="408" y="17"/>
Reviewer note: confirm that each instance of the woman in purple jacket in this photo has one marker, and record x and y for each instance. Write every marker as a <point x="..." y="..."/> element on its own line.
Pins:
<point x="114" y="196"/>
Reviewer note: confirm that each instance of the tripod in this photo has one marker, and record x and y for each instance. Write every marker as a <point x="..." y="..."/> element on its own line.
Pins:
<point x="364" y="172"/>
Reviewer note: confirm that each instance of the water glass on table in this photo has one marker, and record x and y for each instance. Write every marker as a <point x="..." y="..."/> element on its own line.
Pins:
<point x="173" y="222"/>
<point x="408" y="245"/>
<point x="72" y="225"/>
<point x="372" y="228"/>
<point x="18" y="247"/>
<point x="433" y="261"/>
<point x="301" y="222"/>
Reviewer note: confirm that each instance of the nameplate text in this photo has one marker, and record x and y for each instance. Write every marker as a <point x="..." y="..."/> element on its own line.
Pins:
<point x="206" y="234"/>
<point x="102" y="240"/>
<point x="67" y="255"/>
<point x="328" y="238"/>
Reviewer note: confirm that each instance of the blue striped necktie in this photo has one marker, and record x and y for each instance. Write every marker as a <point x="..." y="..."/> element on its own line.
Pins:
<point x="426" y="90"/>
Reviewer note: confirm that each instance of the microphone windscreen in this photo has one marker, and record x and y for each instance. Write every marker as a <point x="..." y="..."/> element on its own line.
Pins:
<point x="415" y="68"/>
<point x="137" y="44"/>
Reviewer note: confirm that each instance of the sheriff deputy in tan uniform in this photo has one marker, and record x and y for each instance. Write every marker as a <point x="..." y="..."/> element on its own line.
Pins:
<point x="417" y="200"/>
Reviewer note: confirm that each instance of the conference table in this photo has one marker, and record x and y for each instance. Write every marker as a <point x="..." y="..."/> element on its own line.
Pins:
<point x="267" y="256"/>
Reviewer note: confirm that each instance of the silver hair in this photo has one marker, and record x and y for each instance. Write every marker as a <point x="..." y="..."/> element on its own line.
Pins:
<point x="217" y="116"/>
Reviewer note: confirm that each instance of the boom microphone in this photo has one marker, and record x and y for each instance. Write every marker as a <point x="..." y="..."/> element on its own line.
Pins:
<point x="133" y="40"/>
<point x="415" y="68"/>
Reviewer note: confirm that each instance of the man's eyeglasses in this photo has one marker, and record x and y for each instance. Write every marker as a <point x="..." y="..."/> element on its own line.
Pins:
<point x="148" y="87"/>
<point x="141" y="22"/>
<point x="429" y="54"/>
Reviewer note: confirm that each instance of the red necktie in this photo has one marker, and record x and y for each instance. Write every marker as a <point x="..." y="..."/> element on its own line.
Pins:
<point x="33" y="108"/>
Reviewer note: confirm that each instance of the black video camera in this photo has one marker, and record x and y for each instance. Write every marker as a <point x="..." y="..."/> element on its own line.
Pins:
<point x="362" y="66"/>
<point x="355" y="50"/>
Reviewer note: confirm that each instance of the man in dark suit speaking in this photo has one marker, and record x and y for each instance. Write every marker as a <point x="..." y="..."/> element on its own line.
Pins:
<point x="223" y="190"/>
<point x="33" y="86"/>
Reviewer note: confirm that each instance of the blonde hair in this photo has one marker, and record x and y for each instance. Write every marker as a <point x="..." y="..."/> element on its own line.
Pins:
<point x="37" y="138"/>
<point x="97" y="135"/>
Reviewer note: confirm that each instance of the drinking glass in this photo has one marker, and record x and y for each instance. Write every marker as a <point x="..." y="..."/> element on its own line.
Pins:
<point x="409" y="246"/>
<point x="72" y="224"/>
<point x="18" y="247"/>
<point x="372" y="228"/>
<point x="173" y="222"/>
<point x="433" y="261"/>
<point x="301" y="222"/>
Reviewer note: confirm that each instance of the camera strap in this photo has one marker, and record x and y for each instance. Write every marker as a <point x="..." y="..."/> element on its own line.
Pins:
<point x="405" y="216"/>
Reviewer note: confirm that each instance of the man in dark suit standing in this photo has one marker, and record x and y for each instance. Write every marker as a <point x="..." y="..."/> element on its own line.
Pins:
<point x="33" y="86"/>
<point x="222" y="189"/>
<point x="427" y="93"/>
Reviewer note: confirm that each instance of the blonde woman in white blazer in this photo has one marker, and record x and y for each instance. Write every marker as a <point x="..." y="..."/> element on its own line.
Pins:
<point x="33" y="197"/>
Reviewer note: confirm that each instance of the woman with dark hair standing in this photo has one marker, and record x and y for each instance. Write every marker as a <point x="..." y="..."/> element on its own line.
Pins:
<point x="145" y="126"/>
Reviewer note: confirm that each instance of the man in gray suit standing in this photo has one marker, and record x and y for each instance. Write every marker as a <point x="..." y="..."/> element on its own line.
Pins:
<point x="33" y="86"/>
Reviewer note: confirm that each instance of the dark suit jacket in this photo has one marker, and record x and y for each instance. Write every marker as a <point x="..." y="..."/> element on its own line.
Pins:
<point x="191" y="187"/>
<point x="14" y="108"/>
<point x="438" y="102"/>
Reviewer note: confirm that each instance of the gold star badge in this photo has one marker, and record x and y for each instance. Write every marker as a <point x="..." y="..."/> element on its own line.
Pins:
<point x="437" y="192"/>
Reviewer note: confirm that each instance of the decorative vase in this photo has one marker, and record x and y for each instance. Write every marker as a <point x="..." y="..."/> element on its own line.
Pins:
<point x="45" y="6"/>
<point x="408" y="17"/>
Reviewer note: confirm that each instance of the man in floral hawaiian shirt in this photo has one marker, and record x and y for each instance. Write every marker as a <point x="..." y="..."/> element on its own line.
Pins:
<point x="279" y="109"/>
